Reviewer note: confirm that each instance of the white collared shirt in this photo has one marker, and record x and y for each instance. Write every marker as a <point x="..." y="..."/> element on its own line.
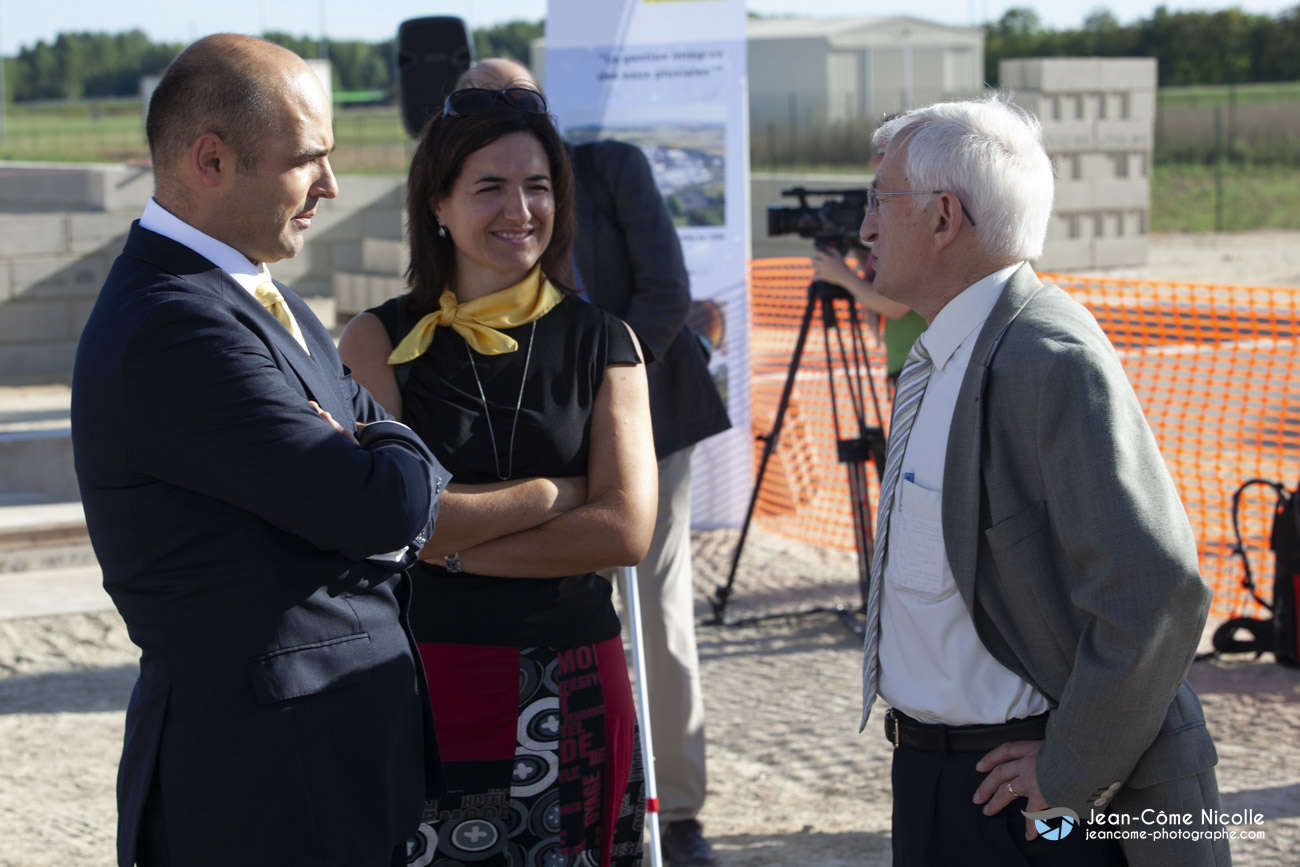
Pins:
<point x="158" y="219"/>
<point x="933" y="667"/>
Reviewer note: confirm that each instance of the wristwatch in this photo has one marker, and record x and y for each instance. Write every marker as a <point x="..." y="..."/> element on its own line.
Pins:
<point x="453" y="562"/>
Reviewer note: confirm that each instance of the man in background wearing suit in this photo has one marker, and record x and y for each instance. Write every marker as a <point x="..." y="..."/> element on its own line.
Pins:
<point x="251" y="529"/>
<point x="629" y="261"/>
<point x="1035" y="601"/>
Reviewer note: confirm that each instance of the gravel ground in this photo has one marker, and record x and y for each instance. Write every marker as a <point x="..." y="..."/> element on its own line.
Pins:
<point x="791" y="782"/>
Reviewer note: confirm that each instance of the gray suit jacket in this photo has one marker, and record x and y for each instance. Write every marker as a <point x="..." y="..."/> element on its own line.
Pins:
<point x="1072" y="550"/>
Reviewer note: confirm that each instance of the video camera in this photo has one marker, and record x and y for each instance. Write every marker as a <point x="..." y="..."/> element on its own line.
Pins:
<point x="835" y="224"/>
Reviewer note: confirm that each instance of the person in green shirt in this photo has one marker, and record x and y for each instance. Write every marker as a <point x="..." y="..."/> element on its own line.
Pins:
<point x="899" y="324"/>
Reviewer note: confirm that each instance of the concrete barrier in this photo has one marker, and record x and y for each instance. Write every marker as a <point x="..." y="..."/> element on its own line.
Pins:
<point x="62" y="226"/>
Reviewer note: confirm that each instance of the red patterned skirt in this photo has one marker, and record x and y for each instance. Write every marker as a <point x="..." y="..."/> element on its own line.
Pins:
<point x="541" y="754"/>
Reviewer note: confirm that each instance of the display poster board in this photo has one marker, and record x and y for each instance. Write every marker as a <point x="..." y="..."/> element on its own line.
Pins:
<point x="670" y="77"/>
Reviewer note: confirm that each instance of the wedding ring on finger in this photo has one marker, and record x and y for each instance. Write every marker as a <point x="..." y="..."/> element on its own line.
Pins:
<point x="1013" y="792"/>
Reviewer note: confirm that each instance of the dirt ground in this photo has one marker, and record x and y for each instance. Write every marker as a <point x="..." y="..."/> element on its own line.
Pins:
<point x="791" y="781"/>
<point x="1266" y="258"/>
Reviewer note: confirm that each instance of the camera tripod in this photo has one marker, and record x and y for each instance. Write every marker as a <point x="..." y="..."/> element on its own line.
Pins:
<point x="869" y="444"/>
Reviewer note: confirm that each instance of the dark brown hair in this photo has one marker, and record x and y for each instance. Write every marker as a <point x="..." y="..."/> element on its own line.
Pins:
<point x="443" y="148"/>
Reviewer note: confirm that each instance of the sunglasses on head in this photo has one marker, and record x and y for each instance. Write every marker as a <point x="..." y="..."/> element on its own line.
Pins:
<point x="472" y="99"/>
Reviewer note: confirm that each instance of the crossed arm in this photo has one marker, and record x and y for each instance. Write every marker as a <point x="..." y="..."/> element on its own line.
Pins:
<point x="540" y="527"/>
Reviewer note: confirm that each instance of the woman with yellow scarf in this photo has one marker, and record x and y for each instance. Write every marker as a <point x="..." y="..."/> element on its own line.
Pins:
<point x="536" y="402"/>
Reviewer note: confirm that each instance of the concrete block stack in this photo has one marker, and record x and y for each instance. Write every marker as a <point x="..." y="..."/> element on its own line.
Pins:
<point x="1098" y="117"/>
<point x="61" y="227"/>
<point x="51" y="268"/>
<point x="368" y="206"/>
<point x="379" y="272"/>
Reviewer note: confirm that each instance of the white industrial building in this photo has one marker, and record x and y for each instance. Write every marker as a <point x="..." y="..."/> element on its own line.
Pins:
<point x="806" y="73"/>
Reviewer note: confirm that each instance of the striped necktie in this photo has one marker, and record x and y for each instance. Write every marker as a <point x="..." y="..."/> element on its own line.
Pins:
<point x="907" y="399"/>
<point x="270" y="298"/>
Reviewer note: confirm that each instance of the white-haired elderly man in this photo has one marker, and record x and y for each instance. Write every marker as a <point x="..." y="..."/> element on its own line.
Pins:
<point x="1035" y="600"/>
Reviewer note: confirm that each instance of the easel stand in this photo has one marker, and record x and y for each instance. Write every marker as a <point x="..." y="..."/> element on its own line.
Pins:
<point x="855" y="452"/>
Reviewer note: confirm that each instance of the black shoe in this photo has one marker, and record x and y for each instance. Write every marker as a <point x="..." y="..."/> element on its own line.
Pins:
<point x="684" y="845"/>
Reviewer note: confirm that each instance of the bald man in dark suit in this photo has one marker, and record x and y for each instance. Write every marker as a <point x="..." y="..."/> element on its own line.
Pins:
<point x="253" y="509"/>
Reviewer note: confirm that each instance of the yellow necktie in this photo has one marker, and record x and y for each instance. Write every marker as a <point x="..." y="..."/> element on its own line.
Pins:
<point x="477" y="321"/>
<point x="270" y="298"/>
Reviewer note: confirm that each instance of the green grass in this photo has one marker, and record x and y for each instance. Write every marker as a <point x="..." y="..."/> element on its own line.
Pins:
<point x="1187" y="199"/>
<point x="60" y="134"/>
<point x="1221" y="94"/>
<point x="368" y="139"/>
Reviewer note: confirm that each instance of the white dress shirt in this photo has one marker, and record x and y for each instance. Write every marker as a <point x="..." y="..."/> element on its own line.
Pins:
<point x="933" y="666"/>
<point x="158" y="219"/>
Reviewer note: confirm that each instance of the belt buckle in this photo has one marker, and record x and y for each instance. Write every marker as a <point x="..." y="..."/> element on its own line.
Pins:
<point x="889" y="715"/>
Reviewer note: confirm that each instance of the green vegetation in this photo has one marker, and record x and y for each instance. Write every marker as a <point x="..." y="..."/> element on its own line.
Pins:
<point x="83" y="131"/>
<point x="1200" y="96"/>
<point x="1238" y="128"/>
<point x="369" y="138"/>
<point x="511" y="39"/>
<point x="81" y="65"/>
<point x="74" y="100"/>
<point x="354" y="65"/>
<point x="95" y="65"/>
<point x="1187" y="199"/>
<point x="1193" y="48"/>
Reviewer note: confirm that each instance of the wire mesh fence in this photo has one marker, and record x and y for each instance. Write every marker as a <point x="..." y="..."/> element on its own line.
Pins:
<point x="1215" y="369"/>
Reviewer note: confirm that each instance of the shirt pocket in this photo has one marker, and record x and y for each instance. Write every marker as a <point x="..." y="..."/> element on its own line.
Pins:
<point x="918" y="563"/>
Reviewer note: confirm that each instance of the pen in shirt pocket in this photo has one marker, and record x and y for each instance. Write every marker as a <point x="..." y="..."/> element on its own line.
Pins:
<point x="901" y="496"/>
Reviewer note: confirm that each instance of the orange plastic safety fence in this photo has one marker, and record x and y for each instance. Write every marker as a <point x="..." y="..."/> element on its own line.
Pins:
<point x="1214" y="367"/>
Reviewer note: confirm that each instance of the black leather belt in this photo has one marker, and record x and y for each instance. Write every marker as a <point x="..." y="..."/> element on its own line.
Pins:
<point x="903" y="731"/>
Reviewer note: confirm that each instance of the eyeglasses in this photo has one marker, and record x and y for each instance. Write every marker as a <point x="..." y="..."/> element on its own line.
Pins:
<point x="873" y="200"/>
<point x="472" y="99"/>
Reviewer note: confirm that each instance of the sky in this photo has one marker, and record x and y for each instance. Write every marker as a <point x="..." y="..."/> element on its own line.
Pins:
<point x="24" y="22"/>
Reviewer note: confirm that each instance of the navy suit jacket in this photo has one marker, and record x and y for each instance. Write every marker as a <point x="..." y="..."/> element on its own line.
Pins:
<point x="280" y="705"/>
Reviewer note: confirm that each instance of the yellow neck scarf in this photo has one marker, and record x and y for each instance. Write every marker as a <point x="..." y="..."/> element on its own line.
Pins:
<point x="477" y="321"/>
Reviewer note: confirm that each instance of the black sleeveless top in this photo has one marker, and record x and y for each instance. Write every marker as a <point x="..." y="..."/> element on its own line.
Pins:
<point x="570" y="349"/>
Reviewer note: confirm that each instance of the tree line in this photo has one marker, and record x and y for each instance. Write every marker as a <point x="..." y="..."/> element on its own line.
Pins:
<point x="1192" y="48"/>
<point x="95" y="65"/>
<point x="1225" y="47"/>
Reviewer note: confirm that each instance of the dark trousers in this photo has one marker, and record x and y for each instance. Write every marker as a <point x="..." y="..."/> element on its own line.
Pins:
<point x="937" y="823"/>
<point x="152" y="849"/>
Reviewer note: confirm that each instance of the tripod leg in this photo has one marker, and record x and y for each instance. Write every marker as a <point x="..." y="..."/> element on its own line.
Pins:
<point x="723" y="594"/>
<point x="863" y="537"/>
<point x="855" y="452"/>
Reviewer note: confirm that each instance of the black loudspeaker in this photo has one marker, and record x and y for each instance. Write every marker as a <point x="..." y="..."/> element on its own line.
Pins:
<point x="431" y="52"/>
